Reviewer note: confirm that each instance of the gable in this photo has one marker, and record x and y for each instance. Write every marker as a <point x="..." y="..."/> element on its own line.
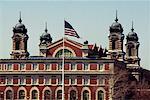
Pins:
<point x="72" y="46"/>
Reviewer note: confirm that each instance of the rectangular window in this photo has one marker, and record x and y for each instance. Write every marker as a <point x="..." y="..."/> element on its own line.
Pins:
<point x="22" y="81"/>
<point x="35" y="66"/>
<point x="86" y="82"/>
<point x="9" y="81"/>
<point x="0" y="67"/>
<point x="34" y="80"/>
<point x="72" y="81"/>
<point x="100" y="67"/>
<point x="101" y="81"/>
<point x="73" y="66"/>
<point x="59" y="81"/>
<point x="59" y="66"/>
<point x="9" y="67"/>
<point x="47" y="81"/>
<point x="22" y="66"/>
<point x="47" y="66"/>
<point x="85" y="67"/>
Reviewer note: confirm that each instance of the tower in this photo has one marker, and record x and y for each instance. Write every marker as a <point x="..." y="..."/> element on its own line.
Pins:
<point x="19" y="39"/>
<point x="45" y="41"/>
<point x="116" y="38"/>
<point x="132" y="48"/>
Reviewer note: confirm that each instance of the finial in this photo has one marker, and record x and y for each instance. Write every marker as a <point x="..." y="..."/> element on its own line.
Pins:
<point x="116" y="17"/>
<point x="46" y="27"/>
<point x="20" y="17"/>
<point x="132" y="29"/>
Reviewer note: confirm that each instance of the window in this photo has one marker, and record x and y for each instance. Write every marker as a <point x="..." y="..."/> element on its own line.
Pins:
<point x="17" y="45"/>
<point x="67" y="53"/>
<point x="100" y="67"/>
<point x="22" y="81"/>
<point x="35" y="66"/>
<point x="73" y="66"/>
<point x="101" y="81"/>
<point x="34" y="80"/>
<point x="85" y="67"/>
<point x="72" y="80"/>
<point x="9" y="95"/>
<point x="86" y="81"/>
<point x="59" y="95"/>
<point x="59" y="81"/>
<point x="22" y="66"/>
<point x="72" y="95"/>
<point x="9" y="67"/>
<point x="21" y="94"/>
<point x="47" y="81"/>
<point x="59" y="66"/>
<point x="86" y="95"/>
<point x="9" y="81"/>
<point x="100" y="95"/>
<point x="47" y="67"/>
<point x="34" y="94"/>
<point x="47" y="95"/>
<point x="113" y="45"/>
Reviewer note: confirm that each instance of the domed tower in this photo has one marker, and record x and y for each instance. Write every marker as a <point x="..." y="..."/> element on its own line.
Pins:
<point x="116" y="38"/>
<point x="132" y="49"/>
<point x="45" y="41"/>
<point x="20" y="39"/>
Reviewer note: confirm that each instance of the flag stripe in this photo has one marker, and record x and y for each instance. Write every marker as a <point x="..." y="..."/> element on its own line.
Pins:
<point x="69" y="30"/>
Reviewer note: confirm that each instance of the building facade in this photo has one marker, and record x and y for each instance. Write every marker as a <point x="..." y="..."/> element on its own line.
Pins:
<point x="87" y="68"/>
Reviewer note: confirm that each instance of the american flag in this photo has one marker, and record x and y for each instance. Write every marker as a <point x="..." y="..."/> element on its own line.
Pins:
<point x="69" y="30"/>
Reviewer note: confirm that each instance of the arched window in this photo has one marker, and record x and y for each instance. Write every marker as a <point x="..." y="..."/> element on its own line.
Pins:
<point x="67" y="53"/>
<point x="9" y="95"/>
<point x="113" y="45"/>
<point x="34" y="94"/>
<point x="86" y="95"/>
<point x="17" y="45"/>
<point x="130" y="52"/>
<point x="72" y="95"/>
<point x="100" y="95"/>
<point x="59" y="95"/>
<point x="21" y="94"/>
<point x="47" y="95"/>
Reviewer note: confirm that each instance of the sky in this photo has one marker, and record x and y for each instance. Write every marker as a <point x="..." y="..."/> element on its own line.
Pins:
<point x="90" y="18"/>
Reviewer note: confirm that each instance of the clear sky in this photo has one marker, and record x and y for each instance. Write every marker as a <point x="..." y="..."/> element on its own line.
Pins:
<point x="91" y="19"/>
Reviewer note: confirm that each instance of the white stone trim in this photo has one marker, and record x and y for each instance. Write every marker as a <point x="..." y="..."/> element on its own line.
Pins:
<point x="22" y="88"/>
<point x="70" y="89"/>
<point x="9" y="88"/>
<point x="34" y="88"/>
<point x="47" y="88"/>
<point x="83" y="89"/>
<point x="102" y="89"/>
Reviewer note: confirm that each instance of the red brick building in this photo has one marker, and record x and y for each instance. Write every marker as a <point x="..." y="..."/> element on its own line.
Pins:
<point x="87" y="67"/>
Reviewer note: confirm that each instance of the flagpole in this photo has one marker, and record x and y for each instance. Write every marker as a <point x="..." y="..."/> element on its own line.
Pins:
<point x="63" y="65"/>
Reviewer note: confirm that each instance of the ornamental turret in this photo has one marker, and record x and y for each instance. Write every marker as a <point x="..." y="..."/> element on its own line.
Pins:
<point x="20" y="39"/>
<point x="45" y="41"/>
<point x="116" y="38"/>
<point x="132" y="50"/>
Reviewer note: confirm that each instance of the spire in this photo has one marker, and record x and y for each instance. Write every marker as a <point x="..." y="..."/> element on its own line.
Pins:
<point x="46" y="27"/>
<point x="116" y="17"/>
<point x="20" y="17"/>
<point x="132" y="29"/>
